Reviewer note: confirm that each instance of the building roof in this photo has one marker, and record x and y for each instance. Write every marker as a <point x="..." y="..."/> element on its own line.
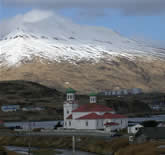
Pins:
<point x="93" y="108"/>
<point x="111" y="116"/>
<point x="92" y="94"/>
<point x="70" y="90"/>
<point x="69" y="117"/>
<point x="90" y="116"/>
<point x="111" y="124"/>
<point x="134" y="125"/>
<point x="105" y="116"/>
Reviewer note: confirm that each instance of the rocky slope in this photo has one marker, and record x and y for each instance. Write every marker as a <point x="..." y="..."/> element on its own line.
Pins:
<point x="56" y="52"/>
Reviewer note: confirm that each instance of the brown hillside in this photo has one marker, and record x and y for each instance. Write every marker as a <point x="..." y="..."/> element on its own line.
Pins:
<point x="86" y="77"/>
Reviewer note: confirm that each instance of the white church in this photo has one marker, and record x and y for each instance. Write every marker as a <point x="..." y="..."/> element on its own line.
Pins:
<point x="91" y="116"/>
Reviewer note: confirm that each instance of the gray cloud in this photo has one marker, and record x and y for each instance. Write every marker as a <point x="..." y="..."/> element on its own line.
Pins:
<point x="127" y="7"/>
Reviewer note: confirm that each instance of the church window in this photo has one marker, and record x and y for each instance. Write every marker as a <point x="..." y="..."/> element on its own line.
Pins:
<point x="70" y="97"/>
<point x="86" y="123"/>
<point x="97" y="123"/>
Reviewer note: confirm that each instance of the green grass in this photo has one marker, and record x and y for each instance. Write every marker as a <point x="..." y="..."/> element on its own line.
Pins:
<point x="45" y="152"/>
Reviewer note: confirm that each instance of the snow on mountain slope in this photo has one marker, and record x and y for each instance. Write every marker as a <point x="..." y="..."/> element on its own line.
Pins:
<point x="57" y="39"/>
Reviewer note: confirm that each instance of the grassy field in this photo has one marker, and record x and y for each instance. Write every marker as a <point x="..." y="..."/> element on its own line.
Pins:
<point x="118" y="146"/>
<point x="149" y="148"/>
<point x="45" y="152"/>
<point x="88" y="144"/>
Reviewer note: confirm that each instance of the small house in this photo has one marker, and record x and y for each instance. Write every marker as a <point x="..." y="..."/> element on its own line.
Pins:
<point x="133" y="129"/>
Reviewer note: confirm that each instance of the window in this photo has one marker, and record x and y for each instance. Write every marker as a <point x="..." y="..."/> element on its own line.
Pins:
<point x="92" y="99"/>
<point x="67" y="97"/>
<point x="65" y="123"/>
<point x="70" y="97"/>
<point x="69" y="123"/>
<point x="86" y="123"/>
<point x="97" y="123"/>
<point x="67" y="111"/>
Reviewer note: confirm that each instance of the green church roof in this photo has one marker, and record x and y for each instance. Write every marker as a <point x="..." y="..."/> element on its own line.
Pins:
<point x="70" y="90"/>
<point x="92" y="94"/>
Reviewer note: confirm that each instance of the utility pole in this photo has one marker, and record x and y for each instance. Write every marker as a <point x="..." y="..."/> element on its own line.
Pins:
<point x="73" y="145"/>
<point x="29" y="145"/>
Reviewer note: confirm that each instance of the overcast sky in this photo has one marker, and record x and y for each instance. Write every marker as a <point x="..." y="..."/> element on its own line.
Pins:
<point x="128" y="7"/>
<point x="133" y="18"/>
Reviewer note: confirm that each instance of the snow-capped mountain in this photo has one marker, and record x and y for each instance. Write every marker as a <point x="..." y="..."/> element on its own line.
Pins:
<point x="64" y="40"/>
<point x="35" y="46"/>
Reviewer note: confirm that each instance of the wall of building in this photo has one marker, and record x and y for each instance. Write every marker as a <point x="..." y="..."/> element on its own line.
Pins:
<point x="111" y="128"/>
<point x="68" y="108"/>
<point x="134" y="129"/>
<point x="84" y="124"/>
<point x="69" y="124"/>
<point x="100" y="124"/>
<point x="76" y="115"/>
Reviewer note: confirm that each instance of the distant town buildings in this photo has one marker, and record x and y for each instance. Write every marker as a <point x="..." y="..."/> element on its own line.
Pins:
<point x="15" y="108"/>
<point x="91" y="116"/>
<point x="157" y="106"/>
<point x="10" y="108"/>
<point x="31" y="108"/>
<point x="133" y="91"/>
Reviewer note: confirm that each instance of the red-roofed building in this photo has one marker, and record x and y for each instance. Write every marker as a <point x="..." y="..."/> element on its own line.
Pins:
<point x="93" y="108"/>
<point x="91" y="116"/>
<point x="113" y="116"/>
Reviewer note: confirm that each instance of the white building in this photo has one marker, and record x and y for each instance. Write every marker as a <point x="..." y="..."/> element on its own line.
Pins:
<point x="32" y="109"/>
<point x="10" y="108"/>
<point x="136" y="91"/>
<point x="91" y="116"/>
<point x="133" y="91"/>
<point x="134" y="129"/>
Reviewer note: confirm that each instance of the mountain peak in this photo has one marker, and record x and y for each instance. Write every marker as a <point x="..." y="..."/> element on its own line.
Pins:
<point x="41" y="46"/>
<point x="54" y="38"/>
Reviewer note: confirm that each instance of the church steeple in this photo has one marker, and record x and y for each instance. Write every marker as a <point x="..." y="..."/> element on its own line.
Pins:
<point x="69" y="104"/>
<point x="93" y="98"/>
<point x="70" y="94"/>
